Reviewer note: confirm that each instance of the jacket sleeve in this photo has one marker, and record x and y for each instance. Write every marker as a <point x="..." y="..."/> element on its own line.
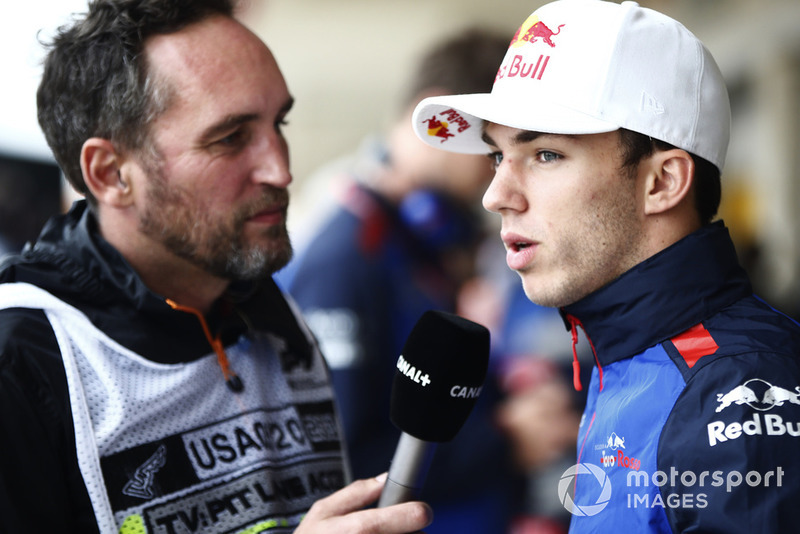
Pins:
<point x="41" y="488"/>
<point x="728" y="452"/>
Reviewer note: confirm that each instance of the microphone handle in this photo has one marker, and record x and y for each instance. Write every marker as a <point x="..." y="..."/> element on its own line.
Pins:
<point x="410" y="464"/>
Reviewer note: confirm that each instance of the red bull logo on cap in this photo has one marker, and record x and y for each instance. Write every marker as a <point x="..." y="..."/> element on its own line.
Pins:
<point x="523" y="69"/>
<point x="534" y="30"/>
<point x="441" y="128"/>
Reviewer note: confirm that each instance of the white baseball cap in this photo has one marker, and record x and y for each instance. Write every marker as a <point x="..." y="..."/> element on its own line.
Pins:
<point x="591" y="66"/>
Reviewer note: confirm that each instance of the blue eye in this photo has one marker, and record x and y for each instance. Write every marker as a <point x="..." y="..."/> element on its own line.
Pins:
<point x="496" y="158"/>
<point x="546" y="156"/>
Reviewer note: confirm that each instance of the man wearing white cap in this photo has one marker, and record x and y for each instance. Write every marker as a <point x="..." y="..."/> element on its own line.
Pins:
<point x="608" y="125"/>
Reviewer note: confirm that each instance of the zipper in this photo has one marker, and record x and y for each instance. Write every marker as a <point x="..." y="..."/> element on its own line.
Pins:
<point x="231" y="378"/>
<point x="574" y="323"/>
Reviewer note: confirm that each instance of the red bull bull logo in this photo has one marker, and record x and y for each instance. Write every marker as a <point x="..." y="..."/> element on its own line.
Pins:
<point x="615" y="442"/>
<point x="441" y="128"/>
<point x="761" y="396"/>
<point x="534" y="30"/>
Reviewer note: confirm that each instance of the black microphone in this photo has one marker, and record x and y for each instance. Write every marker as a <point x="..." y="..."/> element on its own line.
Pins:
<point x="438" y="379"/>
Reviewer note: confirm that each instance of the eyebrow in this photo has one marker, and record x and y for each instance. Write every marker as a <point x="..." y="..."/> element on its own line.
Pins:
<point x="521" y="138"/>
<point x="486" y="138"/>
<point x="225" y="125"/>
<point x="230" y="122"/>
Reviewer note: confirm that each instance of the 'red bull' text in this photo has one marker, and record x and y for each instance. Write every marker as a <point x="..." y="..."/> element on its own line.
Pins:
<point x="523" y="69"/>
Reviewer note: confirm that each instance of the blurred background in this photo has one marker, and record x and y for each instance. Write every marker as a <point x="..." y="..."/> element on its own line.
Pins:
<point x="345" y="61"/>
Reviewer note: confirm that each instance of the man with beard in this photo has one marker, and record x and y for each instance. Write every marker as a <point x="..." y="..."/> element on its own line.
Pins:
<point x="608" y="125"/>
<point x="152" y="376"/>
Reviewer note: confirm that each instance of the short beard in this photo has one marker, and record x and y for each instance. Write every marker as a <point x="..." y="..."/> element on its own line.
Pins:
<point x="256" y="263"/>
<point x="216" y="246"/>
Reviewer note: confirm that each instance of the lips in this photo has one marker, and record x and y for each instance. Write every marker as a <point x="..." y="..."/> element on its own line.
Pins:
<point x="268" y="208"/>
<point x="519" y="250"/>
<point x="272" y="215"/>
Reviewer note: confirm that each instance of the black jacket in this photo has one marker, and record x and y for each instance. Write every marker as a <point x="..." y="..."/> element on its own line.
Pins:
<point x="41" y="488"/>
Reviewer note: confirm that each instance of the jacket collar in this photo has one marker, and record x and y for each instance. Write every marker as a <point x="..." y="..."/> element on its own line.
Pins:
<point x="72" y="261"/>
<point x="663" y="296"/>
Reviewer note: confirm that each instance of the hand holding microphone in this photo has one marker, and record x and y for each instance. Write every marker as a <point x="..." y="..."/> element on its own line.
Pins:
<point x="439" y="377"/>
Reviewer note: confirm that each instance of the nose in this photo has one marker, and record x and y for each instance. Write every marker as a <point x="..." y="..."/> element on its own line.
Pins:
<point x="503" y="192"/>
<point x="271" y="162"/>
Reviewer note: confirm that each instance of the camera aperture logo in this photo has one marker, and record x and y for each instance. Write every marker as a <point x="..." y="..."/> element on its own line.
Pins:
<point x="567" y="483"/>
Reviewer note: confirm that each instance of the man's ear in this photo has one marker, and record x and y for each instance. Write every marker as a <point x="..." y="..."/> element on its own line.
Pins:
<point x="669" y="180"/>
<point x="101" y="164"/>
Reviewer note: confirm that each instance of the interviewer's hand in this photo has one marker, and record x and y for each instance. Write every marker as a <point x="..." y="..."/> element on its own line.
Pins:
<point x="342" y="512"/>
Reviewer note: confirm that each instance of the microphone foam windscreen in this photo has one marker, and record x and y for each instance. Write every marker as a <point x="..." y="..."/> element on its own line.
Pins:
<point x="439" y="376"/>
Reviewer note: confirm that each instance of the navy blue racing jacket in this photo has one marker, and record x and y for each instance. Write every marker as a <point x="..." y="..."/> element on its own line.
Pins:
<point x="692" y="422"/>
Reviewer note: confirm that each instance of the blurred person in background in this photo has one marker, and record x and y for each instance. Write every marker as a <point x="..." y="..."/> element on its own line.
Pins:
<point x="153" y="377"/>
<point x="538" y="410"/>
<point x="30" y="193"/>
<point x="403" y="239"/>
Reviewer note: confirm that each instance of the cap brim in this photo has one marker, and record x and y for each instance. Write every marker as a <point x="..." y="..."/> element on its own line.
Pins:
<point x="463" y="117"/>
